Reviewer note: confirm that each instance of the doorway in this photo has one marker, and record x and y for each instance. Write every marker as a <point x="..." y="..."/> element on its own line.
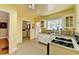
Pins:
<point x="4" y="30"/>
<point x="26" y="26"/>
<point x="37" y="29"/>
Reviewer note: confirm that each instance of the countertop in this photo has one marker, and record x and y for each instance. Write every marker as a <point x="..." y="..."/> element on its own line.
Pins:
<point x="76" y="46"/>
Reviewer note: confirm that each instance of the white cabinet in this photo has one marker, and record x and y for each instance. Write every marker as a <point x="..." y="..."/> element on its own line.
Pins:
<point x="45" y="38"/>
<point x="69" y="21"/>
<point x="69" y="25"/>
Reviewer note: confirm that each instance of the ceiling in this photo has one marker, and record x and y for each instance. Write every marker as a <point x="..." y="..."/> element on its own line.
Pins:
<point x="45" y="9"/>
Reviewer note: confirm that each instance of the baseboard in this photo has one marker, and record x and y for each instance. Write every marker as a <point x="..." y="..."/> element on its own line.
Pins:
<point x="12" y="50"/>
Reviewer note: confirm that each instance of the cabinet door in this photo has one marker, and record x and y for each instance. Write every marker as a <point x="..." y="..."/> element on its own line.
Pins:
<point x="69" y="21"/>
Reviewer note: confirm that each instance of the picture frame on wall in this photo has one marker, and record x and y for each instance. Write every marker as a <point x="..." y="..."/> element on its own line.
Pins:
<point x="3" y="25"/>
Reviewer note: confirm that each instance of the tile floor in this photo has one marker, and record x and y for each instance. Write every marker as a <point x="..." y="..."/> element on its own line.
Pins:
<point x="31" y="47"/>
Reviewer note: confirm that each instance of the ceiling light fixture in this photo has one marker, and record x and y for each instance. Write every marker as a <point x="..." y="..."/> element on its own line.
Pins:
<point x="32" y="6"/>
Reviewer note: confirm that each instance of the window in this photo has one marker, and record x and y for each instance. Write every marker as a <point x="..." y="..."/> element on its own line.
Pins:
<point x="55" y="24"/>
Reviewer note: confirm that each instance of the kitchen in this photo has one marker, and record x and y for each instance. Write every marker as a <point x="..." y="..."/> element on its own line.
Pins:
<point x="58" y="32"/>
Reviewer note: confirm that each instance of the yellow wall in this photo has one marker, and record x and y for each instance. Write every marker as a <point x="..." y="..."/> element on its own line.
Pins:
<point x="12" y="25"/>
<point x="61" y="13"/>
<point x="24" y="14"/>
<point x="56" y="15"/>
<point x="77" y="18"/>
<point x="18" y="13"/>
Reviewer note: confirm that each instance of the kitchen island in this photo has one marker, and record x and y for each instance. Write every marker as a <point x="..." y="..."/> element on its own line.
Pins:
<point x="56" y="49"/>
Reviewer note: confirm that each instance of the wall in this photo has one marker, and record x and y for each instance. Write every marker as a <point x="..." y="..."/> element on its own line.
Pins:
<point x="77" y="18"/>
<point x="24" y="14"/>
<point x="18" y="14"/>
<point x="56" y="15"/>
<point x="12" y="25"/>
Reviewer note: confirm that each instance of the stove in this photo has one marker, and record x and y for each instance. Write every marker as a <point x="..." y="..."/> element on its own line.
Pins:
<point x="63" y="42"/>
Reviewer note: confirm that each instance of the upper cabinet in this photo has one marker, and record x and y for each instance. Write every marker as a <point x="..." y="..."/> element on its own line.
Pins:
<point x="69" y="21"/>
<point x="69" y="27"/>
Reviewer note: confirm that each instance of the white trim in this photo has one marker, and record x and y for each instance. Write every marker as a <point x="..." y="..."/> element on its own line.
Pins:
<point x="12" y="50"/>
<point x="10" y="38"/>
<point x="30" y="26"/>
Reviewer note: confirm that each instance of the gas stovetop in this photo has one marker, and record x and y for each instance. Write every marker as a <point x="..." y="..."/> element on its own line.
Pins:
<point x="63" y="42"/>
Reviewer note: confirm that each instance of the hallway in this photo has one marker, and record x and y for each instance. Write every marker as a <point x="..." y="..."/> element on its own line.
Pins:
<point x="31" y="47"/>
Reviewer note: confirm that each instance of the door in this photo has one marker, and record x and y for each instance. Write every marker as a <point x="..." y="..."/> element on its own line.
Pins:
<point x="26" y="29"/>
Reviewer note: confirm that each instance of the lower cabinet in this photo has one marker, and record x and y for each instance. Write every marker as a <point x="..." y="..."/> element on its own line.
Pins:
<point x="4" y="46"/>
<point x="58" y="50"/>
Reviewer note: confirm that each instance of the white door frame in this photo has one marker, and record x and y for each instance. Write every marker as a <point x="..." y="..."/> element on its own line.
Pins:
<point x="30" y="27"/>
<point x="11" y="37"/>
